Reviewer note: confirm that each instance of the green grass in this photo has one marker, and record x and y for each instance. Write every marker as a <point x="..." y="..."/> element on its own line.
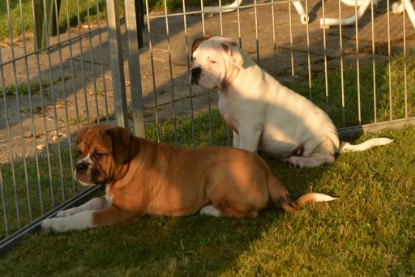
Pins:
<point x="333" y="103"/>
<point x="68" y="15"/>
<point x="24" y="88"/>
<point x="369" y="230"/>
<point x="46" y="189"/>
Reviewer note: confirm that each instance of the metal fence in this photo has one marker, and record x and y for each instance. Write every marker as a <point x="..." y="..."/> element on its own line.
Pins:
<point x="92" y="71"/>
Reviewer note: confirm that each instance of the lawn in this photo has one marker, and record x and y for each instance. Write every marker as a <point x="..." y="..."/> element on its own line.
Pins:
<point x="369" y="230"/>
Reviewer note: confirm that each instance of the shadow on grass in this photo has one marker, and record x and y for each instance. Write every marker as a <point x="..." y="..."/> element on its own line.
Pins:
<point x="193" y="245"/>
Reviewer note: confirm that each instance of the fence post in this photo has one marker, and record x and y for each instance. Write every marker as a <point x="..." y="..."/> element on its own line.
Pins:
<point x="134" y="66"/>
<point x="116" y="63"/>
<point x="139" y="15"/>
<point x="45" y="20"/>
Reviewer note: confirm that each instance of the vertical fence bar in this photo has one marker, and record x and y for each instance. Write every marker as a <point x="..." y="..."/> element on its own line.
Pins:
<point x="62" y="76"/>
<point x="372" y="15"/>
<point x="81" y="57"/>
<point x="137" y="106"/>
<point x="342" y="67"/>
<point x="36" y="22"/>
<point x="4" y="206"/>
<point x="186" y="35"/>
<point x="100" y="43"/>
<point x="153" y="77"/>
<point x="70" y="44"/>
<point x="325" y="59"/>
<point x="10" y="146"/>
<point x="92" y="62"/>
<point x="173" y="100"/>
<point x="359" y="109"/>
<point x="33" y="127"/>
<point x="116" y="63"/>
<point x="55" y="119"/>
<point x="19" y="116"/>
<point x="290" y="26"/>
<point x="389" y="61"/>
<point x="308" y="54"/>
<point x="404" y="60"/>
<point x="256" y="32"/>
<point x="208" y="91"/>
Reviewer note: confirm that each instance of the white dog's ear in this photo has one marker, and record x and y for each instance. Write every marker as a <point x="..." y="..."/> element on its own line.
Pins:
<point x="198" y="41"/>
<point x="232" y="49"/>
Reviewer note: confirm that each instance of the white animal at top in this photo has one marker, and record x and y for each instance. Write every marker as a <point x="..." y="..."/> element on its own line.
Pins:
<point x="264" y="114"/>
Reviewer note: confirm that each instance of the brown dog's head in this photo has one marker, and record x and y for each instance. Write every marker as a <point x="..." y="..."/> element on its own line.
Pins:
<point x="216" y="62"/>
<point x="104" y="152"/>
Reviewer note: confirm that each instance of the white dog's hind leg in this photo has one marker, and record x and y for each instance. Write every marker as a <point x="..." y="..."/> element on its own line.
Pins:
<point x="92" y="205"/>
<point x="313" y="153"/>
<point x="313" y="160"/>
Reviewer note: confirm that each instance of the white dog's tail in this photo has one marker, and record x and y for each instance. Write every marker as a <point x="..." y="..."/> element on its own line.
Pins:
<point x="347" y="147"/>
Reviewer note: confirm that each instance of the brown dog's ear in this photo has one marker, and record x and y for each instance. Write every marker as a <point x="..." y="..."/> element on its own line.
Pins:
<point x="197" y="41"/>
<point x="81" y="133"/>
<point x="232" y="49"/>
<point x="124" y="146"/>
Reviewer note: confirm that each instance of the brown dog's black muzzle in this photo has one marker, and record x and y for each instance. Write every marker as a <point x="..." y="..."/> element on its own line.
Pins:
<point x="81" y="167"/>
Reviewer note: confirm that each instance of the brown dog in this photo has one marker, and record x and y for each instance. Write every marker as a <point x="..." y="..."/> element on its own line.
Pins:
<point x="144" y="177"/>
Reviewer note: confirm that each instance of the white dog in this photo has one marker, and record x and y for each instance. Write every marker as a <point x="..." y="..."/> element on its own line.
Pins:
<point x="263" y="113"/>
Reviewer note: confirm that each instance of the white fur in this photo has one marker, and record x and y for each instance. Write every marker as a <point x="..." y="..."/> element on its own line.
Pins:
<point x="263" y="113"/>
<point x="210" y="210"/>
<point x="77" y="218"/>
<point x="91" y="205"/>
<point x="321" y="197"/>
<point x="347" y="147"/>
<point x="87" y="159"/>
<point x="79" y="221"/>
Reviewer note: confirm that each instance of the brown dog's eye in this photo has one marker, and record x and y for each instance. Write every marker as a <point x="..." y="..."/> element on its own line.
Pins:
<point x="99" y="156"/>
<point x="79" y="153"/>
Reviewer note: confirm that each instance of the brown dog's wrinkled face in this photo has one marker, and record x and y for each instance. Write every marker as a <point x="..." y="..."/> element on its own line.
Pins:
<point x="216" y="60"/>
<point x="102" y="151"/>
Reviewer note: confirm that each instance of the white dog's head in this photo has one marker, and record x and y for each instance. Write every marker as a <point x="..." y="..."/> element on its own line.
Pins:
<point x="216" y="62"/>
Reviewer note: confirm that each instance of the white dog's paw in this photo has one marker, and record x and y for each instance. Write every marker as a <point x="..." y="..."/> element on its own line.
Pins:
<point x="301" y="162"/>
<point x="210" y="210"/>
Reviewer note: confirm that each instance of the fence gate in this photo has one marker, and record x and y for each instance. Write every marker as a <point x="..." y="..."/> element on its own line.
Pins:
<point x="65" y="64"/>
